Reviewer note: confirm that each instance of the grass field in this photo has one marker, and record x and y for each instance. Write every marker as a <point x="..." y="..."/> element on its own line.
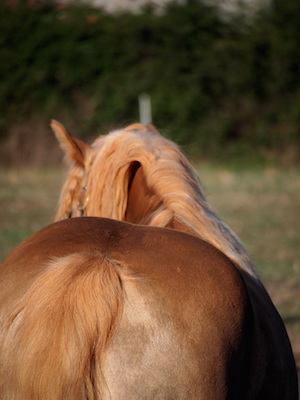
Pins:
<point x="261" y="205"/>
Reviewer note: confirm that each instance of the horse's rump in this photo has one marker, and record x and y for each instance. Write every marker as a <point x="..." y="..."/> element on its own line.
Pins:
<point x="175" y="319"/>
<point x="138" y="176"/>
<point x="116" y="311"/>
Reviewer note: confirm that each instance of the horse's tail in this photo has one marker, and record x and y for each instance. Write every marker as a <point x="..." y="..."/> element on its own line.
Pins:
<point x="54" y="338"/>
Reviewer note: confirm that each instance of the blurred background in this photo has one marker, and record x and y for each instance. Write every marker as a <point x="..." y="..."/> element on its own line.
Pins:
<point x="223" y="81"/>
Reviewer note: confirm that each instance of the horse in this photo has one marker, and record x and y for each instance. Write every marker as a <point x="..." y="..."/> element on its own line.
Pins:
<point x="155" y="299"/>
<point x="98" y="309"/>
<point x="136" y="175"/>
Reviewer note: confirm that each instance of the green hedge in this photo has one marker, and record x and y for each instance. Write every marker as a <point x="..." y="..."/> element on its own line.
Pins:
<point x="216" y="84"/>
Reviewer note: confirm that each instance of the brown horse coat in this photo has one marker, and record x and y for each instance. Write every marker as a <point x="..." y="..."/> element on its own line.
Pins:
<point x="98" y="309"/>
<point x="136" y="175"/>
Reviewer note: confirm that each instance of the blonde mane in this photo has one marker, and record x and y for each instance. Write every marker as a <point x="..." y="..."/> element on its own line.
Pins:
<point x="101" y="187"/>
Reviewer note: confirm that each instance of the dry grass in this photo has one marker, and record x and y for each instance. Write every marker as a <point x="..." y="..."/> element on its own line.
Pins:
<point x="27" y="203"/>
<point x="262" y="206"/>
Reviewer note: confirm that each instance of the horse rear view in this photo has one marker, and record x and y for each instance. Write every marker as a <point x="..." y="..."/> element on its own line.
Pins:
<point x="160" y="301"/>
<point x="99" y="309"/>
<point x="137" y="175"/>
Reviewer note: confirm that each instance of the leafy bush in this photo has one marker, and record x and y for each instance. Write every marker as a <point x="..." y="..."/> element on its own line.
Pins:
<point x="216" y="83"/>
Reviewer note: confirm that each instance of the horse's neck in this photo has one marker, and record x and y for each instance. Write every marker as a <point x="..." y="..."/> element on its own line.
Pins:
<point x="142" y="201"/>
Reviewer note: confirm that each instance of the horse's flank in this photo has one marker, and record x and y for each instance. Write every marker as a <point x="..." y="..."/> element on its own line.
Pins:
<point x="110" y="313"/>
<point x="136" y="175"/>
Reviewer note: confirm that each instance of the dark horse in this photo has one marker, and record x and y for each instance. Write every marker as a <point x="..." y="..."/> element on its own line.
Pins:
<point x="95" y="308"/>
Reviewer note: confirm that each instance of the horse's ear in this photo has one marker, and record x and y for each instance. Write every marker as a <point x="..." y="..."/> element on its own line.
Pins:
<point x="75" y="150"/>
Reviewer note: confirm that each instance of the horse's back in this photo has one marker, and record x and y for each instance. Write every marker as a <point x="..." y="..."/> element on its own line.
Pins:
<point x="186" y="329"/>
<point x="183" y="314"/>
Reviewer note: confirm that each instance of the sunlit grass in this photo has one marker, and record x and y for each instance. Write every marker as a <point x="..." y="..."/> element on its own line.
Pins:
<point x="28" y="201"/>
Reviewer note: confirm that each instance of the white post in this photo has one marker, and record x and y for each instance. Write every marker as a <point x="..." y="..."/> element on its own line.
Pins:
<point x="145" y="108"/>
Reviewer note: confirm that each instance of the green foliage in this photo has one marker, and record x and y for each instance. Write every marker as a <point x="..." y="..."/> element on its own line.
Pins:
<point x="215" y="83"/>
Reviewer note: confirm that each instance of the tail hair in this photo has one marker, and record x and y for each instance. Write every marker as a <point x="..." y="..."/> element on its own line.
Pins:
<point x="53" y="340"/>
